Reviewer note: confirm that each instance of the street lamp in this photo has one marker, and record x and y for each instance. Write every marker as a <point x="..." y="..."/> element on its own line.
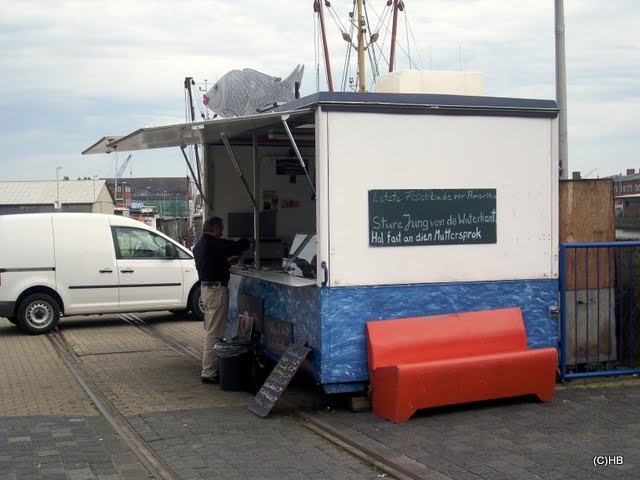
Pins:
<point x="58" y="190"/>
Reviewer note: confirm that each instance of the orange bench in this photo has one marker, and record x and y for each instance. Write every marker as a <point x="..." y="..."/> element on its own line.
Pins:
<point x="440" y="360"/>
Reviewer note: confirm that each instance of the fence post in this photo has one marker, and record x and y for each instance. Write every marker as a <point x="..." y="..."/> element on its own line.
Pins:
<point x="563" y="310"/>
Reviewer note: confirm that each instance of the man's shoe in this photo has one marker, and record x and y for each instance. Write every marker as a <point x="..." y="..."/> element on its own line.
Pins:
<point x="215" y="379"/>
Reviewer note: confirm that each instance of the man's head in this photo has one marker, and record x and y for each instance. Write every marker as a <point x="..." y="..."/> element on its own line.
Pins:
<point x="213" y="227"/>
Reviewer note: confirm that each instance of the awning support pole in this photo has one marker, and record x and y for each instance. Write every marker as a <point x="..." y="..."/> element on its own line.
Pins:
<point x="196" y="180"/>
<point x="239" y="170"/>
<point x="295" y="148"/>
<point x="256" y="212"/>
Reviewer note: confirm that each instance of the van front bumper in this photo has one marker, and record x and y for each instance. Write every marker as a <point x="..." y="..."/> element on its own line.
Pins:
<point x="7" y="309"/>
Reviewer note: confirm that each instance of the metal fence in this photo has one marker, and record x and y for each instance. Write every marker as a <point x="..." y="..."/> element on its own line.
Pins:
<point x="599" y="309"/>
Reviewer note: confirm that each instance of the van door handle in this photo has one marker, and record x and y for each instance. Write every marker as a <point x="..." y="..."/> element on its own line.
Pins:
<point x="127" y="270"/>
<point x="106" y="270"/>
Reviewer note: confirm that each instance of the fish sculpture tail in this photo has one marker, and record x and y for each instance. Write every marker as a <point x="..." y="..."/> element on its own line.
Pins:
<point x="295" y="76"/>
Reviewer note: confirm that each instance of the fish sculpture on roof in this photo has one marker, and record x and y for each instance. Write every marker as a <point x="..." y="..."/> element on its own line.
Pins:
<point x="247" y="91"/>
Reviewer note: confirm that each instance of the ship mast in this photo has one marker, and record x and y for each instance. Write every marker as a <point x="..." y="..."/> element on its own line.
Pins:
<point x="397" y="5"/>
<point x="362" y="87"/>
<point x="318" y="8"/>
<point x="361" y="24"/>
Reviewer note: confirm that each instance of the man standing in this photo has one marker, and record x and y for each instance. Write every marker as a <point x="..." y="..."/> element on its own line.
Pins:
<point x="212" y="255"/>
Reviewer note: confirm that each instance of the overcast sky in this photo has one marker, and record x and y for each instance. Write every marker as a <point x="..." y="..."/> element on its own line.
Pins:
<point x="74" y="71"/>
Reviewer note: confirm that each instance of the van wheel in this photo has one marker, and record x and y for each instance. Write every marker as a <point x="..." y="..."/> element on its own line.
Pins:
<point x="38" y="313"/>
<point x="195" y="304"/>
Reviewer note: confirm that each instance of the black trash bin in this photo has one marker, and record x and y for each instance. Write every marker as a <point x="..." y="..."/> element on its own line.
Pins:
<point x="234" y="364"/>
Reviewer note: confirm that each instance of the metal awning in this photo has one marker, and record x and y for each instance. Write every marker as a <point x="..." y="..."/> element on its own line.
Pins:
<point x="102" y="145"/>
<point x="195" y="133"/>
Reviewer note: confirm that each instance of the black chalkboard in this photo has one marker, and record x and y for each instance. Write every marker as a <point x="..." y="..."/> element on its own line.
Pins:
<point x="273" y="387"/>
<point x="432" y="217"/>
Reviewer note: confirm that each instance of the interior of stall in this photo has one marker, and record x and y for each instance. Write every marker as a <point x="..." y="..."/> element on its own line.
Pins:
<point x="274" y="178"/>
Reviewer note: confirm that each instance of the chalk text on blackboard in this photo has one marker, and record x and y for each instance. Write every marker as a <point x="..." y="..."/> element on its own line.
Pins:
<point x="404" y="196"/>
<point x="432" y="217"/>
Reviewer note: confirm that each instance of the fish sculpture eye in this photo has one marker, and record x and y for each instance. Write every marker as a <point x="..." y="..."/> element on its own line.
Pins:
<point x="215" y="87"/>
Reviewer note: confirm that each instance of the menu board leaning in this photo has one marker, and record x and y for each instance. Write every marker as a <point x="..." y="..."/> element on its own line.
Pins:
<point x="274" y="386"/>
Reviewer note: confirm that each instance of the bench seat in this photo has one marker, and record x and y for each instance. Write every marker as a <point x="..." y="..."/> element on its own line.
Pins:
<point x="428" y="362"/>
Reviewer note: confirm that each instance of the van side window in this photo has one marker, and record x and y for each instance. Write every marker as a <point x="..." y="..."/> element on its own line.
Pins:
<point x="137" y="243"/>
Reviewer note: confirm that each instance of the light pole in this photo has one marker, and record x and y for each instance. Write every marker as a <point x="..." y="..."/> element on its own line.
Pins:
<point x="164" y="205"/>
<point x="561" y="90"/>
<point x="58" y="190"/>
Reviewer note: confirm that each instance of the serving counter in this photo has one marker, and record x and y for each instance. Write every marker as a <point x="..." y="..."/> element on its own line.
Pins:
<point x="274" y="276"/>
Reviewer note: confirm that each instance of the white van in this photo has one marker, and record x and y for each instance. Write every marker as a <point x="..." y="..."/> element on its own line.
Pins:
<point x="89" y="263"/>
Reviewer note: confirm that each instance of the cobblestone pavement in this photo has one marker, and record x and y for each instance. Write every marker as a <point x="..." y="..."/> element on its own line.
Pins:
<point x="64" y="447"/>
<point x="49" y="428"/>
<point x="197" y="430"/>
<point x="512" y="439"/>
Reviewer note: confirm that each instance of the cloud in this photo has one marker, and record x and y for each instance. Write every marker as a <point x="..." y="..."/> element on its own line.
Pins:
<point x="74" y="71"/>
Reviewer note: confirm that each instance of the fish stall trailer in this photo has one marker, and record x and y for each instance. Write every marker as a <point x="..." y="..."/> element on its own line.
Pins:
<point x="371" y="206"/>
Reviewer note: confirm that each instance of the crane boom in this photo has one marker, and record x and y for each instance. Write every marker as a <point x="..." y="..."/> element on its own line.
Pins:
<point x="124" y="165"/>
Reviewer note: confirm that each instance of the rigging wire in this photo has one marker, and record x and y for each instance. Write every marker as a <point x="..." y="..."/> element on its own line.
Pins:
<point x="406" y="51"/>
<point x="190" y="152"/>
<point x="382" y="19"/>
<point x="415" y="42"/>
<point x="347" y="57"/>
<point x="336" y="18"/>
<point x="406" y="29"/>
<point x="381" y="46"/>
<point x="421" y="53"/>
<point x="373" y="61"/>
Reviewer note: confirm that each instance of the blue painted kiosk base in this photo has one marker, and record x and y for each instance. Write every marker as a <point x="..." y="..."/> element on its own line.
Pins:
<point x="331" y="320"/>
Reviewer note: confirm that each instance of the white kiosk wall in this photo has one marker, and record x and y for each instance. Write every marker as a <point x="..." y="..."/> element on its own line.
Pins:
<point x="513" y="155"/>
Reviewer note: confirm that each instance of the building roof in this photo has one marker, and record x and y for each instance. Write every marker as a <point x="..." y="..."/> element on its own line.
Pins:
<point x="625" y="178"/>
<point x="156" y="184"/>
<point x="425" y="103"/>
<point x="46" y="192"/>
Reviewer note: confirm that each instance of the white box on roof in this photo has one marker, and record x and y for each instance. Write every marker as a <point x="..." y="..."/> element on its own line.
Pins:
<point x="431" y="81"/>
